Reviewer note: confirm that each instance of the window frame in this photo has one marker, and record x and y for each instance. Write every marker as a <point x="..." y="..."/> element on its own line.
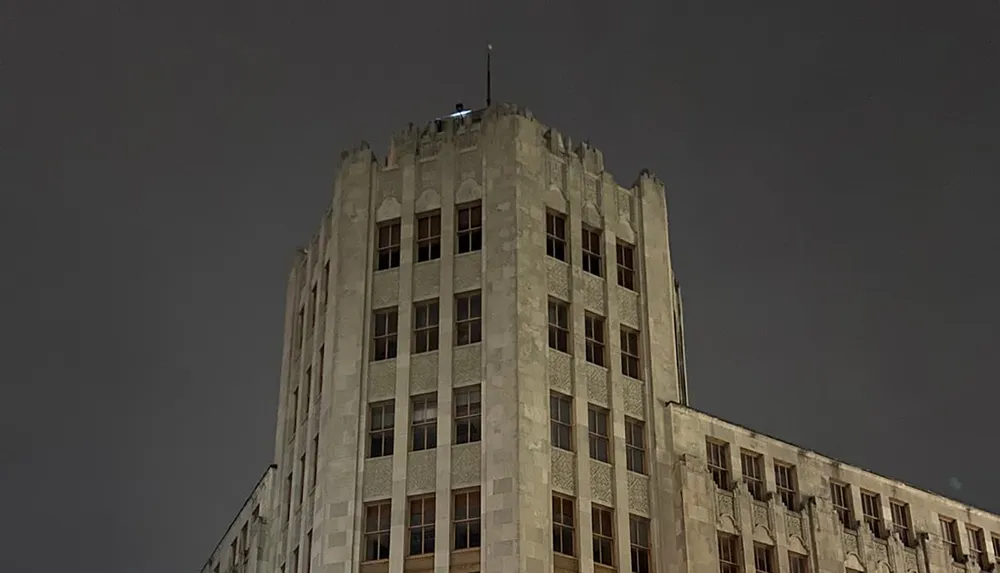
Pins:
<point x="563" y="524"/>
<point x="561" y="430"/>
<point x="470" y="233"/>
<point x="427" y="241"/>
<point x="717" y="457"/>
<point x="602" y="521"/>
<point x="591" y="246"/>
<point x="556" y="243"/>
<point x="384" y="433"/>
<point x="786" y="484"/>
<point x="763" y="558"/>
<point x="752" y="466"/>
<point x="871" y="511"/>
<point x="902" y="523"/>
<point x="423" y="428"/>
<point x="468" y="318"/>
<point x="594" y="329"/>
<point x="473" y="417"/>
<point x="633" y="428"/>
<point x="471" y="521"/>
<point x="381" y="533"/>
<point x="730" y="552"/>
<point x="640" y="544"/>
<point x="626" y="270"/>
<point x="425" y="528"/>
<point x="631" y="357"/>
<point x="840" y="498"/>
<point x="388" y="236"/>
<point x="385" y="345"/>
<point x="426" y="326"/>
<point x="558" y="331"/>
<point x="596" y="418"/>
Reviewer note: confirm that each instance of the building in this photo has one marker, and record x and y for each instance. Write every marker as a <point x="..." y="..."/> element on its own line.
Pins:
<point x="484" y="372"/>
<point x="245" y="544"/>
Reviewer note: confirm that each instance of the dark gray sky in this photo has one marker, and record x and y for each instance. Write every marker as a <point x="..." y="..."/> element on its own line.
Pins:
<point x="833" y="172"/>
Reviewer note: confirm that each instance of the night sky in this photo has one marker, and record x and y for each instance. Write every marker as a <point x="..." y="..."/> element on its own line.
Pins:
<point x="832" y="171"/>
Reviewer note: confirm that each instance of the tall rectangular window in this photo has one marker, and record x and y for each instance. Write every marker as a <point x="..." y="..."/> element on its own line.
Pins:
<point x="786" y="484"/>
<point x="308" y="552"/>
<point x="294" y="409"/>
<point x="555" y="235"/>
<point x="315" y="460"/>
<point x="840" y="495"/>
<point x="977" y="547"/>
<point x="319" y="373"/>
<point x="949" y="535"/>
<point x="288" y="496"/>
<point x="378" y="522"/>
<point x="718" y="463"/>
<point x="996" y="546"/>
<point x="798" y="563"/>
<point x="326" y="283"/>
<point x="901" y="521"/>
<point x="639" y="543"/>
<point x="630" y="353"/>
<point x="599" y="432"/>
<point x="307" y="394"/>
<point x="592" y="251"/>
<point x="295" y="560"/>
<point x="468" y="318"/>
<point x="871" y="511"/>
<point x="563" y="525"/>
<point x="603" y="521"/>
<point x="625" y="255"/>
<point x="302" y="477"/>
<point x="753" y="473"/>
<point x="763" y="558"/>
<point x="594" y="335"/>
<point x="466" y="519"/>
<point x="421" y="523"/>
<point x="381" y="421"/>
<point x="385" y="326"/>
<point x="558" y="325"/>
<point x="313" y="305"/>
<point x="470" y="228"/>
<point x="387" y="246"/>
<point x="423" y="423"/>
<point x="730" y="554"/>
<point x="561" y="419"/>
<point x="429" y="237"/>
<point x="635" y="445"/>
<point x="425" y="326"/>
<point x="468" y="415"/>
<point x="299" y="328"/>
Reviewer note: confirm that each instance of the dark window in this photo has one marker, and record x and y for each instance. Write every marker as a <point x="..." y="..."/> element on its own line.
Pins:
<point x="294" y="409"/>
<point x="307" y="393"/>
<point x="428" y="237"/>
<point x="313" y="306"/>
<point x="423" y="423"/>
<point x="302" y="477"/>
<point x="841" y="498"/>
<point x="326" y="282"/>
<point x="753" y="473"/>
<point x="639" y="545"/>
<point x="307" y="554"/>
<point x="421" y="526"/>
<point x="387" y="251"/>
<point x="561" y="418"/>
<point x="730" y="554"/>
<point x="470" y="228"/>
<point x="798" y="563"/>
<point x="763" y="558"/>
<point x="718" y="463"/>
<point x="319" y="370"/>
<point x="558" y="325"/>
<point x="871" y="511"/>
<point x="563" y="525"/>
<point x="901" y="522"/>
<point x="597" y="427"/>
<point x="315" y="460"/>
<point x="949" y="535"/>
<point x="996" y="547"/>
<point x="977" y="547"/>
<point x="555" y="236"/>
<point x="604" y="537"/>
<point x="630" y="353"/>
<point x="468" y="415"/>
<point x="635" y="446"/>
<point x="592" y="251"/>
<point x="384" y="333"/>
<point x="288" y="496"/>
<point x="381" y="420"/>
<point x="625" y="255"/>
<point x="378" y="521"/>
<point x="468" y="318"/>
<point x="594" y="334"/>
<point x="425" y="326"/>
<point x="466" y="519"/>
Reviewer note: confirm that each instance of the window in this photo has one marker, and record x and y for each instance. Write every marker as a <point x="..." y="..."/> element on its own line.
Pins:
<point x="594" y="334"/>
<point x="977" y="546"/>
<point x="468" y="318"/>
<point x="381" y="419"/>
<point x="384" y="332"/>
<point x="949" y="535"/>
<point x="315" y="460"/>
<point x="468" y="415"/>
<point x="295" y="560"/>
<point x="639" y="545"/>
<point x="234" y="553"/>
<point x="244" y="536"/>
<point x="785" y="483"/>
<point x="299" y="328"/>
<point x="630" y="353"/>
<point x="763" y="558"/>
<point x="378" y="520"/>
<point x="753" y="473"/>
<point x="294" y="409"/>
<point x="308" y="552"/>
<point x="302" y="477"/>
<point x="558" y="325"/>
<point x="288" y="497"/>
<point x="470" y="228"/>
<point x="465" y="520"/>
<point x="718" y="463"/>
<point x="730" y="554"/>
<point x="871" y="512"/>
<point x="421" y="526"/>
<point x="319" y="371"/>
<point x="635" y="446"/>
<point x="604" y="537"/>
<point x="387" y="250"/>
<point x="561" y="416"/>
<point x="563" y="525"/>
<point x="313" y="298"/>
<point x="901" y="521"/>
<point x="626" y="265"/>
<point x="555" y="236"/>
<point x="798" y="563"/>
<point x="592" y="251"/>
<point x="425" y="326"/>
<point x="307" y="393"/>
<point x="428" y="237"/>
<point x="597" y="423"/>
<point x="326" y="282"/>
<point x="840" y="495"/>
<point x="423" y="423"/>
<point x="996" y="547"/>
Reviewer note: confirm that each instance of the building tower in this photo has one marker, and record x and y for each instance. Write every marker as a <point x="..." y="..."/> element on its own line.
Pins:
<point x="485" y="319"/>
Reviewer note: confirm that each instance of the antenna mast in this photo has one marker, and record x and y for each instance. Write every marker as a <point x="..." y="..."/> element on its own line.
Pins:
<point x="489" y="87"/>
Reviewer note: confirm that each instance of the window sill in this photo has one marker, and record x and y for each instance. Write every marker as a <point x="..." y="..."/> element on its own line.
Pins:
<point x="643" y="474"/>
<point x="377" y="271"/>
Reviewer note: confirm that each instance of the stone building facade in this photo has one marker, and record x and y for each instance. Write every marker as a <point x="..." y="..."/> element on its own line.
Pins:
<point x="484" y="372"/>
<point x="246" y="544"/>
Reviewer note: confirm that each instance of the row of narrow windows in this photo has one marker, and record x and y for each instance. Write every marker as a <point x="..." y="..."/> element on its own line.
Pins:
<point x="598" y="433"/>
<point x="467" y="409"/>
<point x="731" y="557"/>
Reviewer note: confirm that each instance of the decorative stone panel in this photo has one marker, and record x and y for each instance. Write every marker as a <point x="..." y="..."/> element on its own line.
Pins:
<point x="385" y="288"/>
<point x="593" y="293"/>
<point x="556" y="170"/>
<point x="389" y="184"/>
<point x="625" y="201"/>
<point x="726" y="503"/>
<point x="557" y="276"/>
<point x="429" y="175"/>
<point x="600" y="482"/>
<point x="598" y="389"/>
<point x="628" y="307"/>
<point x="468" y="271"/>
<point x="563" y="471"/>
<point x="423" y="372"/>
<point x="377" y="478"/>
<point x="426" y="280"/>
<point x="590" y="194"/>
<point x="881" y="550"/>
<point x="470" y="166"/>
<point x="760" y="514"/>
<point x="382" y="380"/>
<point x="466" y="465"/>
<point x="638" y="493"/>
<point x="634" y="394"/>
<point x="909" y="559"/>
<point x="467" y="365"/>
<point x="560" y="371"/>
<point x="794" y="524"/>
<point x="421" y="471"/>
<point x="850" y="542"/>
